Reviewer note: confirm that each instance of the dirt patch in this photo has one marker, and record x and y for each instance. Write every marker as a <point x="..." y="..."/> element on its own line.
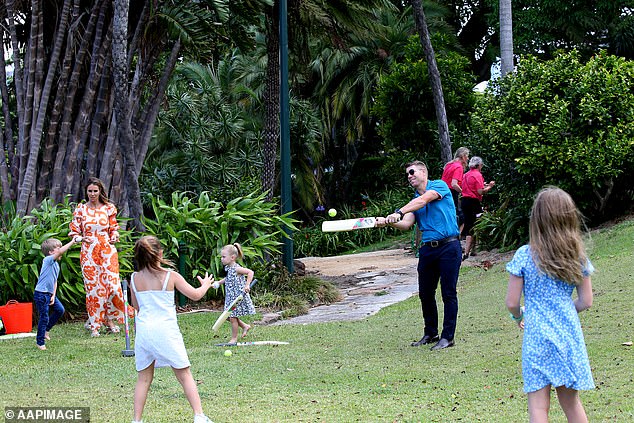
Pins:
<point x="341" y="270"/>
<point x="371" y="281"/>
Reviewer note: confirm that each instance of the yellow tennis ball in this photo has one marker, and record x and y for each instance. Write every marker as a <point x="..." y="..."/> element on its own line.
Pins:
<point x="332" y="212"/>
<point x="228" y="353"/>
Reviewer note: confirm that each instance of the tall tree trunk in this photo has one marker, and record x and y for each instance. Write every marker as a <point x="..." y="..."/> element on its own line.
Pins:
<point x="506" y="36"/>
<point x="148" y="118"/>
<point x="271" y="102"/>
<point x="65" y="141"/>
<point x="434" y="79"/>
<point x="6" y="136"/>
<point x="37" y="130"/>
<point x="121" y="107"/>
<point x="19" y="93"/>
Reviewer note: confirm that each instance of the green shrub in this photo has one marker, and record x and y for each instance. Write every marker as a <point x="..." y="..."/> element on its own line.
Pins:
<point x="560" y="122"/>
<point x="21" y="255"/>
<point x="197" y="228"/>
<point x="292" y="294"/>
<point x="310" y="241"/>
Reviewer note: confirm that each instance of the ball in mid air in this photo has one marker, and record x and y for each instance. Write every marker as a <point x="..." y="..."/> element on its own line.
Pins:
<point x="332" y="212"/>
<point x="228" y="353"/>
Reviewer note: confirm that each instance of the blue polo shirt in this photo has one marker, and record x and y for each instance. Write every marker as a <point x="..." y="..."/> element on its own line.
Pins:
<point x="437" y="220"/>
<point x="48" y="275"/>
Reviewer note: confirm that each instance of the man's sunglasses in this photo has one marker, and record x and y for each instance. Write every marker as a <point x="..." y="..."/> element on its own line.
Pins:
<point x="411" y="171"/>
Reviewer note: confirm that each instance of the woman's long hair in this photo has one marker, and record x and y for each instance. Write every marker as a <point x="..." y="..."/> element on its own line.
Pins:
<point x="148" y="253"/>
<point x="555" y="236"/>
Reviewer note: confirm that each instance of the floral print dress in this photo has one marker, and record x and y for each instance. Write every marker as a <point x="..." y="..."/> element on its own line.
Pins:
<point x="234" y="286"/>
<point x="99" y="263"/>
<point x="553" y="349"/>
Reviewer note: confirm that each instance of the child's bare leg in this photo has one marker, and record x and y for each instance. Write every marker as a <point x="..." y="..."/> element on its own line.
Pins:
<point x="143" y="382"/>
<point x="571" y="404"/>
<point x="234" y="329"/>
<point x="245" y="327"/>
<point x="186" y="380"/>
<point x="538" y="405"/>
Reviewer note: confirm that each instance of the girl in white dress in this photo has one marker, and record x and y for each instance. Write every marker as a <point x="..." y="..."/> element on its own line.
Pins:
<point x="158" y="341"/>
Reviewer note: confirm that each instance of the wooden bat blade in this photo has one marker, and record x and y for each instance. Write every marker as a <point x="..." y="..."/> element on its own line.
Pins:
<point x="225" y="314"/>
<point x="348" y="224"/>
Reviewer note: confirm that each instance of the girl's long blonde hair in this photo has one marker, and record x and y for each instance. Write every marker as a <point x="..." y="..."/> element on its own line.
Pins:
<point x="555" y="236"/>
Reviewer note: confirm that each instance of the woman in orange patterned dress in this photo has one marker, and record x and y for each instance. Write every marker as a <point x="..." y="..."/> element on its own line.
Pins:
<point x="96" y="222"/>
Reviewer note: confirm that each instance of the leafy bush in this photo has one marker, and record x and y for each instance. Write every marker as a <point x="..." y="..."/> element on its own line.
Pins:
<point x="198" y="228"/>
<point x="21" y="254"/>
<point x="192" y="229"/>
<point x="311" y="241"/>
<point x="293" y="294"/>
<point x="404" y="103"/>
<point x="559" y="122"/>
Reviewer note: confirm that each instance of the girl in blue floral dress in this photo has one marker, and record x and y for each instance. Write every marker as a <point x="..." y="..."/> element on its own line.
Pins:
<point x="237" y="281"/>
<point x="547" y="271"/>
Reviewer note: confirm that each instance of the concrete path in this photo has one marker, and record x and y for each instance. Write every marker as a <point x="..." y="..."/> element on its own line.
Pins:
<point x="392" y="279"/>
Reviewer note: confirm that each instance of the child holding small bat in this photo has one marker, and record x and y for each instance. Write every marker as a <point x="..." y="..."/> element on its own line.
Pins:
<point x="237" y="282"/>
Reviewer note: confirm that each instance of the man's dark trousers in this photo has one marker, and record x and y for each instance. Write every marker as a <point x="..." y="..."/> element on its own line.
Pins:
<point x="434" y="264"/>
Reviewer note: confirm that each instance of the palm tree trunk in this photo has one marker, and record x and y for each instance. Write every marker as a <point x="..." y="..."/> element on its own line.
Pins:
<point x="149" y="115"/>
<point x="26" y="189"/>
<point x="434" y="78"/>
<point x="506" y="36"/>
<point x="6" y="136"/>
<point x="64" y="141"/>
<point x="271" y="102"/>
<point x="19" y="94"/>
<point x="121" y="108"/>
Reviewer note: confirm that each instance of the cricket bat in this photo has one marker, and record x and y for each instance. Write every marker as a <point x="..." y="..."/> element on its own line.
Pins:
<point x="348" y="224"/>
<point x="225" y="314"/>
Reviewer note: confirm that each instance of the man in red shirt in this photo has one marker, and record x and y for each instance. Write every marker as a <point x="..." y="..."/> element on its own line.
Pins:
<point x="452" y="175"/>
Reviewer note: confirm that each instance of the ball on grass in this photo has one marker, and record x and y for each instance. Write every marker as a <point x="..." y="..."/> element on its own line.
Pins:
<point x="228" y="353"/>
<point x="332" y="212"/>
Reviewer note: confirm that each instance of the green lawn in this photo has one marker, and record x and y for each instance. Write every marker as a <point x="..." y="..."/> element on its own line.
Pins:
<point x="351" y="371"/>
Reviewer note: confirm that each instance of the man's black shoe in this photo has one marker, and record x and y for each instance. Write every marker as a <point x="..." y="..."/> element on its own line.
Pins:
<point x="442" y="344"/>
<point x="425" y="340"/>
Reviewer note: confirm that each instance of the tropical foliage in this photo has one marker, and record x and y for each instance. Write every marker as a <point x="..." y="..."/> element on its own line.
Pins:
<point x="201" y="226"/>
<point x="403" y="105"/>
<point x="21" y="254"/>
<point x="192" y="231"/>
<point x="563" y="122"/>
<point x="57" y="122"/>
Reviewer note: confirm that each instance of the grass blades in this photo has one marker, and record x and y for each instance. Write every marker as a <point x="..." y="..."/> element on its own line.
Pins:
<point x="361" y="371"/>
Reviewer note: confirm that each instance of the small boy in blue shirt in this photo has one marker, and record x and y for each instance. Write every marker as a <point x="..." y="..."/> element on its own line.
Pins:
<point x="46" y="288"/>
